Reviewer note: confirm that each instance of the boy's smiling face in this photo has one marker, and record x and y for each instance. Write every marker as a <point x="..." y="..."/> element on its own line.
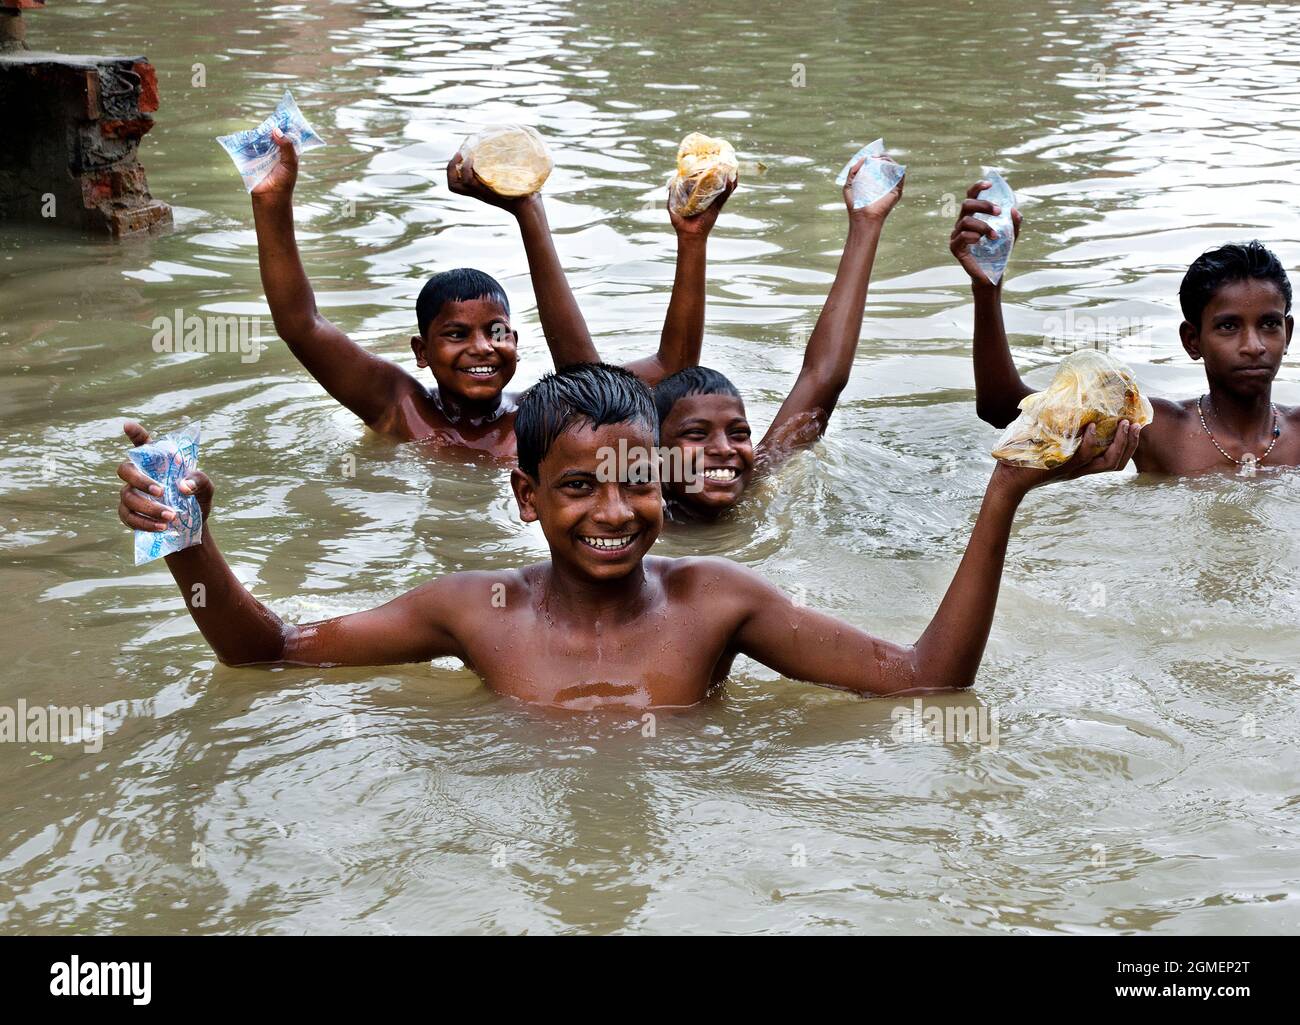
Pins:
<point x="471" y="349"/>
<point x="600" y="529"/>
<point x="1243" y="335"/>
<point x="715" y="439"/>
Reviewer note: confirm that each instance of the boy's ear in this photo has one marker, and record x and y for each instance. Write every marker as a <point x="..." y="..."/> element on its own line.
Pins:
<point x="417" y="347"/>
<point x="1290" y="326"/>
<point x="1191" y="338"/>
<point x="525" y="489"/>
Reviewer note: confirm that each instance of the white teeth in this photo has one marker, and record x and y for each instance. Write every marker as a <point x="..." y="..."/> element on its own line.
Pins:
<point x="609" y="542"/>
<point x="726" y="475"/>
<point x="480" y="371"/>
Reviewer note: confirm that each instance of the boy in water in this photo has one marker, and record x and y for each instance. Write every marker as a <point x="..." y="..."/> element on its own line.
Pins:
<point x="465" y="335"/>
<point x="1236" y="304"/>
<point x="701" y="413"/>
<point x="602" y="622"/>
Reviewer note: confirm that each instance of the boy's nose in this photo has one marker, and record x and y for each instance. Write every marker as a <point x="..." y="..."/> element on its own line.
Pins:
<point x="719" y="444"/>
<point x="612" y="508"/>
<point x="1254" y="343"/>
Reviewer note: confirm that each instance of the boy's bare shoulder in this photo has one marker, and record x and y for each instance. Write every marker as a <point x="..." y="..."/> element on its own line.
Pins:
<point x="696" y="574"/>
<point x="473" y="592"/>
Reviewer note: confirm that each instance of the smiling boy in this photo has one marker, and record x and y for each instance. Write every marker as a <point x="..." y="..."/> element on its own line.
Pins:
<point x="465" y="338"/>
<point x="602" y="622"/>
<point x="1236" y="305"/>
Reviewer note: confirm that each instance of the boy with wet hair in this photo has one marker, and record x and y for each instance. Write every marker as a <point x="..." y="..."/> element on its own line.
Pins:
<point x="1236" y="305"/>
<point x="702" y="414"/>
<point x="602" y="622"/>
<point x="465" y="338"/>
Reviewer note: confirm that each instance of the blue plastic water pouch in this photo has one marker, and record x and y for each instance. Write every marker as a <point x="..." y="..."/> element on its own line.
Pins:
<point x="992" y="254"/>
<point x="876" y="177"/>
<point x="167" y="460"/>
<point x="255" y="152"/>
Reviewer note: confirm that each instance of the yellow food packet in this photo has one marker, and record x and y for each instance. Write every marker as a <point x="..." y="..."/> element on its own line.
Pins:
<point x="1090" y="387"/>
<point x="511" y="160"/>
<point x="704" y="167"/>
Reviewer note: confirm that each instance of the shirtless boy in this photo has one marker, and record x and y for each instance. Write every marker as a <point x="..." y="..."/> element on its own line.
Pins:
<point x="465" y="337"/>
<point x="602" y="622"/>
<point x="1236" y="304"/>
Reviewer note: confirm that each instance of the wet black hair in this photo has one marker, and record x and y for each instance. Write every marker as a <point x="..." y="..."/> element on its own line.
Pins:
<point x="456" y="286"/>
<point x="691" y="381"/>
<point x="590" y="394"/>
<point x="1234" y="262"/>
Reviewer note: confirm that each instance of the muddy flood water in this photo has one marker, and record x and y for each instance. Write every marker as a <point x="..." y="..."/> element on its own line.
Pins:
<point x="1141" y="675"/>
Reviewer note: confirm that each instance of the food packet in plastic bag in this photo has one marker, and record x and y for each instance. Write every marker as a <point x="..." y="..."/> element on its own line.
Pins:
<point x="1090" y="387"/>
<point x="876" y="177"/>
<point x="511" y="160"/>
<point x="704" y="168"/>
<point x="255" y="152"/>
<point x="167" y="460"/>
<point x="992" y="254"/>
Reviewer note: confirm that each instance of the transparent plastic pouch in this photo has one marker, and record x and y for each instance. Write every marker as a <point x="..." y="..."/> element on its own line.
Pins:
<point x="877" y="176"/>
<point x="254" y="151"/>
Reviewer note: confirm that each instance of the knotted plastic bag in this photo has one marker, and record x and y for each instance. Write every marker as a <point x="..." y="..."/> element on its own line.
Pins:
<point x="992" y="254"/>
<point x="255" y="152"/>
<point x="1090" y="387"/>
<point x="876" y="177"/>
<point x="511" y="160"/>
<point x="704" y="168"/>
<point x="167" y="460"/>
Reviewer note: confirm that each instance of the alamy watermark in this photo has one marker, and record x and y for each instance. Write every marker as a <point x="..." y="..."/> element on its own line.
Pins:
<point x="209" y="333"/>
<point x="919" y="723"/>
<point x="50" y="724"/>
<point x="634" y="464"/>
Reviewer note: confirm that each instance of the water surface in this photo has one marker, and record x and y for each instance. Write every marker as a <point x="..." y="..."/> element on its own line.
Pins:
<point x="1143" y="663"/>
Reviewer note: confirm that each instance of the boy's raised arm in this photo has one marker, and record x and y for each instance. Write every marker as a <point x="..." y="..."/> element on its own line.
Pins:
<point x="682" y="338"/>
<point x="241" y="630"/>
<point x="828" y="360"/>
<point x="563" y="324"/>
<point x="998" y="385"/>
<point x="367" y="384"/>
<point x="807" y="645"/>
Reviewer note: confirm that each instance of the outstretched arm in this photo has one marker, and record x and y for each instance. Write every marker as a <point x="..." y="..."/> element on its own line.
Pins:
<point x="367" y="384"/>
<point x="807" y="645"/>
<point x="828" y="360"/>
<point x="682" y="338"/>
<point x="241" y="630"/>
<point x="998" y="385"/>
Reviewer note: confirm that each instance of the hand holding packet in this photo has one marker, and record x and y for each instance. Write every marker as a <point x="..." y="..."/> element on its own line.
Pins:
<point x="1090" y="387"/>
<point x="511" y="160"/>
<point x="255" y="152"/>
<point x="992" y="254"/>
<point x="167" y="460"/>
<point x="705" y="166"/>
<point x="876" y="177"/>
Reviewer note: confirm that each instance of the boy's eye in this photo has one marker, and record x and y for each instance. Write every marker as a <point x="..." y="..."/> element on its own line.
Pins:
<point x="577" y="485"/>
<point x="693" y="435"/>
<point x="740" y="432"/>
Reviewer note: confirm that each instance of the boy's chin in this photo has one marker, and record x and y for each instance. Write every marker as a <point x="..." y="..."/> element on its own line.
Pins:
<point x="710" y="501"/>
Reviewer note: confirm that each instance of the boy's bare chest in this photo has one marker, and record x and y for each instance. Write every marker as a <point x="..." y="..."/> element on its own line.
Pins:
<point x="1186" y="449"/>
<point x="664" y="658"/>
<point x="420" y="419"/>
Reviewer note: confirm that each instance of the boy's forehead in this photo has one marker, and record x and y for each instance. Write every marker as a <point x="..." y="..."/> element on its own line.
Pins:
<point x="713" y="406"/>
<point x="582" y="446"/>
<point x="472" y="309"/>
<point x="1246" y="292"/>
